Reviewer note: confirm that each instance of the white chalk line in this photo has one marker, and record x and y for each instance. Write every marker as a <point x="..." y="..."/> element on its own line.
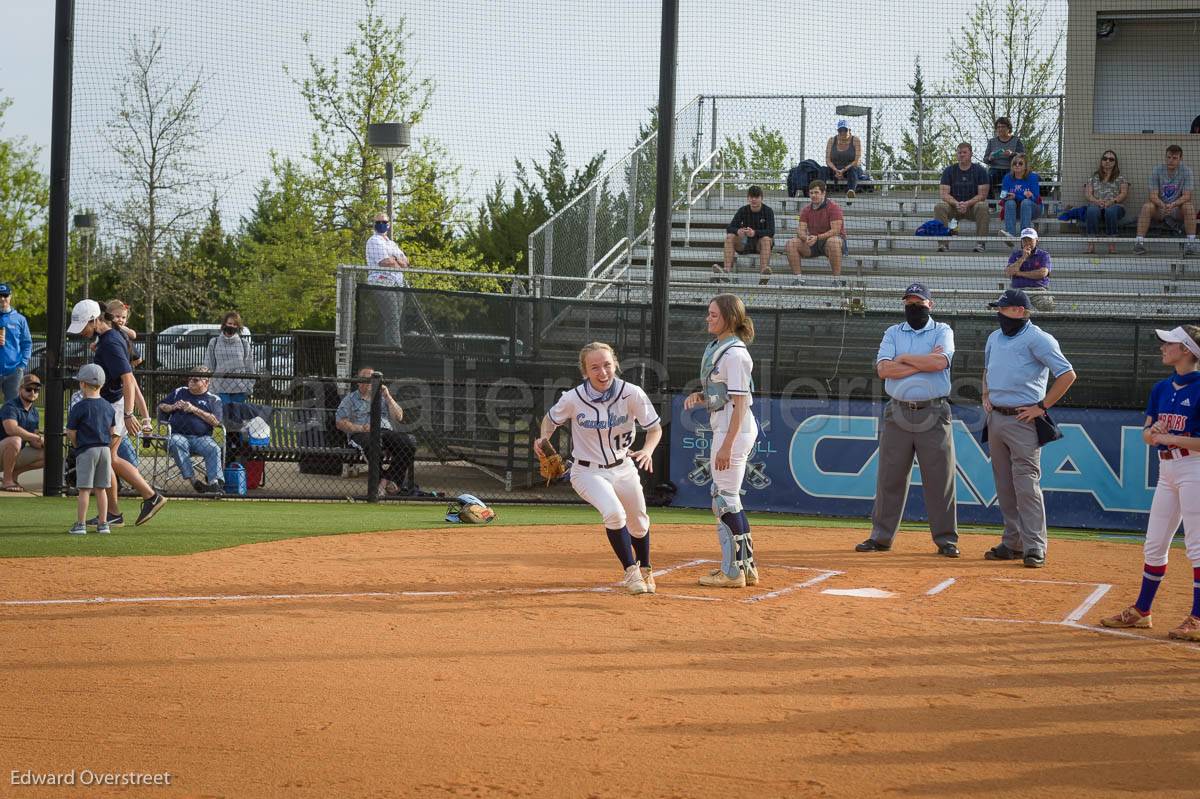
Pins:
<point x="279" y="597"/>
<point x="942" y="586"/>
<point x="1089" y="628"/>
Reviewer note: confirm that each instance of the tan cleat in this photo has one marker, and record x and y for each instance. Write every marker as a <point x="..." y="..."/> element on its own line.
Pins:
<point x="752" y="575"/>
<point x="633" y="582"/>
<point x="1188" y="631"/>
<point x="648" y="579"/>
<point x="717" y="579"/>
<point x="1129" y="617"/>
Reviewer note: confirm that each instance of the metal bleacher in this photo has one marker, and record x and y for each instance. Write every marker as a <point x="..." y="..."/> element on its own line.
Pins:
<point x="885" y="255"/>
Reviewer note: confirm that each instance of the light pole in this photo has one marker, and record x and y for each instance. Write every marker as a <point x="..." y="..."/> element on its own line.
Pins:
<point x="859" y="111"/>
<point x="85" y="225"/>
<point x="390" y="139"/>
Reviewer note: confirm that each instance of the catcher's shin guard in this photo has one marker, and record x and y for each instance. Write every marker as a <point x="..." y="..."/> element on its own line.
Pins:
<point x="723" y="504"/>
<point x="744" y="551"/>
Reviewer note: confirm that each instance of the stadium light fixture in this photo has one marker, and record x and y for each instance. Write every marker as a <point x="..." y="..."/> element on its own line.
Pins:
<point x="85" y="225"/>
<point x="859" y="111"/>
<point x="390" y="140"/>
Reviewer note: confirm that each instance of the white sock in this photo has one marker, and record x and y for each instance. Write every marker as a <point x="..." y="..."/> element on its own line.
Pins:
<point x="1192" y="237"/>
<point x="1141" y="239"/>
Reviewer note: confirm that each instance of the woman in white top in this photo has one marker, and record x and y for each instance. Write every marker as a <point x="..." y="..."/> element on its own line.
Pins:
<point x="602" y="411"/>
<point x="727" y="394"/>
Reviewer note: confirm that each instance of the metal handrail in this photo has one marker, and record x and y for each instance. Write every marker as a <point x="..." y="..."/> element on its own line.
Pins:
<point x="690" y="200"/>
<point x="596" y="185"/>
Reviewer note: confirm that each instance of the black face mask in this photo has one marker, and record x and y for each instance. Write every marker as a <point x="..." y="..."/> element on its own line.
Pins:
<point x="917" y="316"/>
<point x="1009" y="326"/>
<point x="229" y="331"/>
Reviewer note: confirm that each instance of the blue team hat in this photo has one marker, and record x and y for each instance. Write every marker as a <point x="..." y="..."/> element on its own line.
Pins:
<point x="5" y="289"/>
<point x="1012" y="298"/>
<point x="917" y="290"/>
<point x="841" y="123"/>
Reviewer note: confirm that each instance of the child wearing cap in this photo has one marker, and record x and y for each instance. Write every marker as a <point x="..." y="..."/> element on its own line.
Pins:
<point x="91" y="428"/>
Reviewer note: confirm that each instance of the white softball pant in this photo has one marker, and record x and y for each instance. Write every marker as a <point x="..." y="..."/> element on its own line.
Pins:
<point x="616" y="493"/>
<point x="1176" y="498"/>
<point x="727" y="483"/>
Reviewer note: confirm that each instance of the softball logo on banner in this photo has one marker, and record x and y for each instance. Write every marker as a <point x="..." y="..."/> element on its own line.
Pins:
<point x="820" y="458"/>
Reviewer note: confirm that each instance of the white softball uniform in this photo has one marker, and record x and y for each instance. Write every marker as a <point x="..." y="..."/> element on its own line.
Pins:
<point x="1175" y="403"/>
<point x="602" y="431"/>
<point x="731" y="372"/>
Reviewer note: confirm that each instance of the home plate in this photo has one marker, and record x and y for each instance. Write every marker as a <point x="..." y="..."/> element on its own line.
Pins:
<point x="870" y="593"/>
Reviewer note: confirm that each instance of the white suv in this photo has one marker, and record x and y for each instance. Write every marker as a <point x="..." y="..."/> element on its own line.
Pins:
<point x="182" y="347"/>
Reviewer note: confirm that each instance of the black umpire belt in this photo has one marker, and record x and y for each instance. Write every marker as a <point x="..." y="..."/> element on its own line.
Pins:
<point x="1006" y="411"/>
<point x="587" y="464"/>
<point x="916" y="406"/>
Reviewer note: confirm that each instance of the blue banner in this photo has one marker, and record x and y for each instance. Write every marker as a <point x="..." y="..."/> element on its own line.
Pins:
<point x="818" y="457"/>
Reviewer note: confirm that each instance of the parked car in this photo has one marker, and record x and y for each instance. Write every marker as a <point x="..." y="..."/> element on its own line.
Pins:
<point x="75" y="354"/>
<point x="181" y="347"/>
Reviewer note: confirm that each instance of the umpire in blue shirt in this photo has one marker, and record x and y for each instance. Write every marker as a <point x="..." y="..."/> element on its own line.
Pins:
<point x="1017" y="361"/>
<point x="914" y="360"/>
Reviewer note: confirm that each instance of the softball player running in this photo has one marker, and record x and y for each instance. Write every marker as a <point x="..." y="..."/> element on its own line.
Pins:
<point x="727" y="386"/>
<point x="1172" y="422"/>
<point x="601" y="412"/>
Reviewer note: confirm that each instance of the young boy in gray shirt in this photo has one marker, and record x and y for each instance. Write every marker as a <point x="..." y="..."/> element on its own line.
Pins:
<point x="91" y="427"/>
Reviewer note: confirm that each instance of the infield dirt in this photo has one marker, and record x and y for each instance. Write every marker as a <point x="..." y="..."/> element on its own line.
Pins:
<point x="528" y="678"/>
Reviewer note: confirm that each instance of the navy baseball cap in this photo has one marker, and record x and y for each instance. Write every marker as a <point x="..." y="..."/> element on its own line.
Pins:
<point x="1012" y="298"/>
<point x="917" y="290"/>
<point x="5" y="289"/>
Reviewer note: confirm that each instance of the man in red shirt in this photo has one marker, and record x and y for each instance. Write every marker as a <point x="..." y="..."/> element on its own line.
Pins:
<point x="822" y="232"/>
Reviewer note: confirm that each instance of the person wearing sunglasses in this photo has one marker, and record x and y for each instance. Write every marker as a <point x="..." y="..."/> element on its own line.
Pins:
<point x="194" y="412"/>
<point x="23" y="447"/>
<point x="1105" y="190"/>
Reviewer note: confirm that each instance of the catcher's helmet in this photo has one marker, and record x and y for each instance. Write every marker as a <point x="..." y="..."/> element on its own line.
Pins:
<point x="469" y="509"/>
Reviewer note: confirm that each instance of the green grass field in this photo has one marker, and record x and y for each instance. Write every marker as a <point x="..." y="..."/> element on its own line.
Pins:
<point x="37" y="527"/>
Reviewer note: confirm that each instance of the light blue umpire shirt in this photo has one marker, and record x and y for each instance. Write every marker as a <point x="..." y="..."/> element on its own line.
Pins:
<point x="1018" y="367"/>
<point x="900" y="340"/>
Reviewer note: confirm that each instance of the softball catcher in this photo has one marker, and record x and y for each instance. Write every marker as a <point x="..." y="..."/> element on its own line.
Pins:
<point x="1172" y="424"/>
<point x="602" y="411"/>
<point x="727" y="388"/>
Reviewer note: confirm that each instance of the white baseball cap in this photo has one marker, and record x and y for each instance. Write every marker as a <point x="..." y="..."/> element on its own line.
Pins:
<point x="83" y="312"/>
<point x="1180" y="336"/>
<point x="1029" y="233"/>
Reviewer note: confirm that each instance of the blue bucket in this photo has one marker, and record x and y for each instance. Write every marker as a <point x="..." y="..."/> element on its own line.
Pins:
<point x="235" y="479"/>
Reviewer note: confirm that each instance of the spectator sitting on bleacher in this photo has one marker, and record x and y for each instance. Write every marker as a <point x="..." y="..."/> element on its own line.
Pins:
<point x="193" y="412"/>
<point x="964" y="192"/>
<point x="822" y="232"/>
<point x="843" y="155"/>
<point x="1000" y="151"/>
<point x="1021" y="192"/>
<point x="1105" y="190"/>
<point x="1029" y="267"/>
<point x="1171" y="186"/>
<point x="752" y="230"/>
<point x="353" y="418"/>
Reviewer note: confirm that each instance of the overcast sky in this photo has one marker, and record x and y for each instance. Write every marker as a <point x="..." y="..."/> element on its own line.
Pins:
<point x="507" y="73"/>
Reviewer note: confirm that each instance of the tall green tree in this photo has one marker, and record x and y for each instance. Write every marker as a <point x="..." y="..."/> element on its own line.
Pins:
<point x="767" y="151"/>
<point x="926" y="144"/>
<point x="24" y="201"/>
<point x="996" y="54"/>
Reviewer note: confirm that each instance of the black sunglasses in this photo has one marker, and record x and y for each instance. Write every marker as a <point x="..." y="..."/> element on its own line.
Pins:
<point x="33" y="387"/>
<point x="197" y="379"/>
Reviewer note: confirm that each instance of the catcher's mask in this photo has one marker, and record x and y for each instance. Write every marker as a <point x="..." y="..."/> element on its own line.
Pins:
<point x="468" y="509"/>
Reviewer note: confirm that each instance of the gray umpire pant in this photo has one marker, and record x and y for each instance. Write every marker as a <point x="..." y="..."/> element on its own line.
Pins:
<point x="1017" y="467"/>
<point x="927" y="433"/>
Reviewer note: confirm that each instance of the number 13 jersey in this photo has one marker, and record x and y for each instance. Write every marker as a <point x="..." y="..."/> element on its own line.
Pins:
<point x="603" y="425"/>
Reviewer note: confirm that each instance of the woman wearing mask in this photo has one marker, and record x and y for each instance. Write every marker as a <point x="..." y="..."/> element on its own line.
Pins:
<point x="727" y="395"/>
<point x="229" y="355"/>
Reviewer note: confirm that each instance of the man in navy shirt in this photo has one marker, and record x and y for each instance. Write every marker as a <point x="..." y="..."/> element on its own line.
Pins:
<point x="23" y="447"/>
<point x="119" y="390"/>
<point x="964" y="192"/>
<point x="751" y="230"/>
<point x="193" y="412"/>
